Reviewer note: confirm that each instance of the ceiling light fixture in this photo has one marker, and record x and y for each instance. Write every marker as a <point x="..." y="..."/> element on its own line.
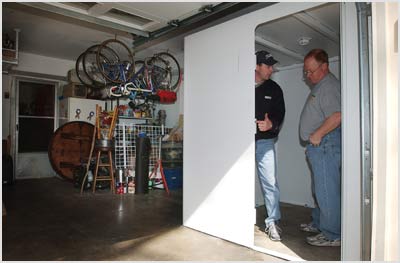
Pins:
<point x="304" y="41"/>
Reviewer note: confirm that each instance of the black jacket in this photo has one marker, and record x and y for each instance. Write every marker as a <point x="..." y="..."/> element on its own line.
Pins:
<point x="269" y="99"/>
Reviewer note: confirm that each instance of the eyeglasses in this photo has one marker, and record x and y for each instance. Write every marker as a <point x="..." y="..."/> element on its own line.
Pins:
<point x="306" y="72"/>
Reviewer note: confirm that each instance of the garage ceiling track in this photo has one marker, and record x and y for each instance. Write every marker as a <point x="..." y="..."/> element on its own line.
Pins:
<point x="206" y="15"/>
<point x="148" y="23"/>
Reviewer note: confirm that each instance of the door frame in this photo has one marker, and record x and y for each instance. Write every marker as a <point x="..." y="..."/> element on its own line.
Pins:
<point x="14" y="113"/>
<point x="351" y="134"/>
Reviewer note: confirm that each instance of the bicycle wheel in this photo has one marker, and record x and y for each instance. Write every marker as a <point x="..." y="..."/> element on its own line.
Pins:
<point x="90" y="67"/>
<point x="82" y="76"/>
<point x="172" y="66"/>
<point x="160" y="77"/>
<point x="115" y="61"/>
<point x="109" y="70"/>
<point x="139" y="78"/>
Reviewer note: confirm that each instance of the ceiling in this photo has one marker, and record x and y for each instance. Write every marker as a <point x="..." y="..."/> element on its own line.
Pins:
<point x="285" y="38"/>
<point x="65" y="30"/>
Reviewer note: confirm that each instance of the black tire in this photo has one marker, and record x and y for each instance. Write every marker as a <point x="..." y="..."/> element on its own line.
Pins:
<point x="172" y="66"/>
<point x="112" y="55"/>
<point x="90" y="67"/>
<point x="158" y="77"/>
<point x="80" y="72"/>
<point x="139" y="78"/>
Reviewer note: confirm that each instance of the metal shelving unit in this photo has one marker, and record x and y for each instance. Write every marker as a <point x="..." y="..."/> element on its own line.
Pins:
<point x="125" y="148"/>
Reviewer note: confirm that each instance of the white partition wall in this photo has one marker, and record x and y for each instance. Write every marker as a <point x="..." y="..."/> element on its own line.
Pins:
<point x="218" y="196"/>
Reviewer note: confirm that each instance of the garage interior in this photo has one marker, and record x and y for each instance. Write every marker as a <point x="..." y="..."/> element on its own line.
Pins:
<point x="47" y="218"/>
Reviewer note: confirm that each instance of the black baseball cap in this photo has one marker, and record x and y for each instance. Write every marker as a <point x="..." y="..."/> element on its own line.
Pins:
<point x="264" y="57"/>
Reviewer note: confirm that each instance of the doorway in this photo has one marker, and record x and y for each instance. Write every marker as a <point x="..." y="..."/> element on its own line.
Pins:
<point x="318" y="27"/>
<point x="36" y="120"/>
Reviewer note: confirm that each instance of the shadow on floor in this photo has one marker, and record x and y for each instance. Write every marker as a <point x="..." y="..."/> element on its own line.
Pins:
<point x="48" y="219"/>
<point x="293" y="240"/>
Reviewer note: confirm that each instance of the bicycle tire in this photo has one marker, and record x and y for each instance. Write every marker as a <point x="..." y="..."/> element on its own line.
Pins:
<point x="139" y="77"/>
<point x="90" y="67"/>
<point x="106" y="68"/>
<point x="159" y="77"/>
<point x="123" y="58"/>
<point x="173" y="68"/>
<point x="80" y="73"/>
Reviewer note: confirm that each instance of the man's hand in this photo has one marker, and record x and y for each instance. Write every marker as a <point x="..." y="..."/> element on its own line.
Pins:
<point x="264" y="125"/>
<point x="315" y="139"/>
<point x="330" y="123"/>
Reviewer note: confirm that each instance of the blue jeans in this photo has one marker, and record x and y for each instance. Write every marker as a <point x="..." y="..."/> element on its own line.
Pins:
<point x="266" y="170"/>
<point x="325" y="161"/>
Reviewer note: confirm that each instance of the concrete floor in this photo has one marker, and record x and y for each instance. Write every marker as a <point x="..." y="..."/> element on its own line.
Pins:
<point x="47" y="219"/>
<point x="293" y="241"/>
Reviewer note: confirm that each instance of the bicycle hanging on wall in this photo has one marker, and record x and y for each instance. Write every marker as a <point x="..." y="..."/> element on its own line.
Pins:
<point x="110" y="66"/>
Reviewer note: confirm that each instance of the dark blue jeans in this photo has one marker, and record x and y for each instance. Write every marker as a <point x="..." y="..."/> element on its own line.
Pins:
<point x="325" y="161"/>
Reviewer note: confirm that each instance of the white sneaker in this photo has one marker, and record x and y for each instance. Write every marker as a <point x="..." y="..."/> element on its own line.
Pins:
<point x="316" y="237"/>
<point x="309" y="228"/>
<point x="273" y="231"/>
<point x="322" y="241"/>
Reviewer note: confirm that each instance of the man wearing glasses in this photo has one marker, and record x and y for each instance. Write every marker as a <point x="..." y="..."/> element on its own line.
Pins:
<point x="320" y="128"/>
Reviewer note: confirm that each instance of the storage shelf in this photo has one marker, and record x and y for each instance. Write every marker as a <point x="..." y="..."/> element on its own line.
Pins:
<point x="133" y="118"/>
<point x="10" y="56"/>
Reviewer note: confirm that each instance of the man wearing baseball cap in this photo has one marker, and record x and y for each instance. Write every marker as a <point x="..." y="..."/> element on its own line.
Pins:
<point x="270" y="112"/>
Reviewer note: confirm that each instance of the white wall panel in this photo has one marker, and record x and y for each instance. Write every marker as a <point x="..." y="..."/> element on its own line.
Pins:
<point x="385" y="221"/>
<point x="219" y="125"/>
<point x="44" y="65"/>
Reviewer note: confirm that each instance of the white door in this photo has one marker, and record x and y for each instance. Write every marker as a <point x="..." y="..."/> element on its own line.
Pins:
<point x="35" y="120"/>
<point x="218" y="196"/>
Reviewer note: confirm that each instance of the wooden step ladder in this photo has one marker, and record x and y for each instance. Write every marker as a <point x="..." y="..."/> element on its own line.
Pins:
<point x="104" y="147"/>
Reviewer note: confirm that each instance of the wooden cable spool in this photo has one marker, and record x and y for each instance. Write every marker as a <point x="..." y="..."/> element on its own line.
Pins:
<point x="70" y="147"/>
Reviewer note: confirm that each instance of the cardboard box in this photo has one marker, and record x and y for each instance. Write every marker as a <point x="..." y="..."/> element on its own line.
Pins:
<point x="76" y="90"/>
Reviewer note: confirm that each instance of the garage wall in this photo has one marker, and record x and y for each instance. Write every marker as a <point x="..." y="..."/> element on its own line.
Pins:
<point x="385" y="232"/>
<point x="31" y="63"/>
<point x="45" y="65"/>
<point x="173" y="110"/>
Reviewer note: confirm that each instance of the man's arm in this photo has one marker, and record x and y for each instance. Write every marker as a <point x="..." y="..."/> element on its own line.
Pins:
<point x="330" y="123"/>
<point x="278" y="112"/>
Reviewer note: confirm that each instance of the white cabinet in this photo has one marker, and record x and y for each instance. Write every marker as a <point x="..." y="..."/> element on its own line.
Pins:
<point x="78" y="109"/>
